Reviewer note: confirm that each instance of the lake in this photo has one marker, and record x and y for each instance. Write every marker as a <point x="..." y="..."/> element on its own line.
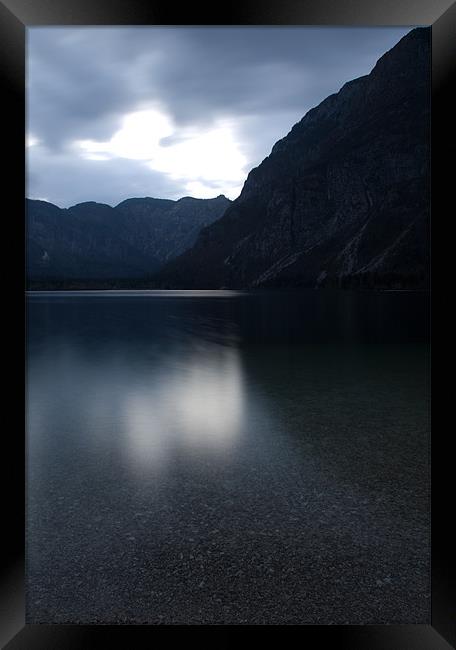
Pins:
<point x="222" y="457"/>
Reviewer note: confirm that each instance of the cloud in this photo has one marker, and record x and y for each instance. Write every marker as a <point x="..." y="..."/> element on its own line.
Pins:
<point x="201" y="160"/>
<point x="67" y="179"/>
<point x="163" y="110"/>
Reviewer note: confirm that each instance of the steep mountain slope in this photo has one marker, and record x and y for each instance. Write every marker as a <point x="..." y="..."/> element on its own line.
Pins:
<point x="342" y="200"/>
<point x="92" y="240"/>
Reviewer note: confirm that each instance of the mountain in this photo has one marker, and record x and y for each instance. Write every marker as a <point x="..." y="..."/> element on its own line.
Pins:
<point x="342" y="200"/>
<point x="96" y="241"/>
<point x="164" y="229"/>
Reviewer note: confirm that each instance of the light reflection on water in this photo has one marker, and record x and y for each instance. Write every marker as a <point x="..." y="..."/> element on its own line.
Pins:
<point x="146" y="410"/>
<point x="210" y="459"/>
<point x="197" y="404"/>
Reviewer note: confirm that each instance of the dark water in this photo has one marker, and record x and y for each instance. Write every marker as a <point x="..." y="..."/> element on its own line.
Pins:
<point x="223" y="457"/>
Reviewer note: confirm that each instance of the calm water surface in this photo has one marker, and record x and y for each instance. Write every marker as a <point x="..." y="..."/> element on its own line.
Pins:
<point x="227" y="457"/>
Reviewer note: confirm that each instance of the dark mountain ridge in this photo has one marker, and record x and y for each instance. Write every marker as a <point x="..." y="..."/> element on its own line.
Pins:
<point x="342" y="200"/>
<point x="91" y="241"/>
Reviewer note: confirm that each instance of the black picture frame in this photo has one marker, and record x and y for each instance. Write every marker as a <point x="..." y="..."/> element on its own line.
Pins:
<point x="15" y="17"/>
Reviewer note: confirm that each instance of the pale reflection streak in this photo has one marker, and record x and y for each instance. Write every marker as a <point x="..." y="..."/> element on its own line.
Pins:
<point x="197" y="407"/>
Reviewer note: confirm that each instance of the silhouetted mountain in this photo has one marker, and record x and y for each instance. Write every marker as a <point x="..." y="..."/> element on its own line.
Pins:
<point x="95" y="241"/>
<point x="342" y="200"/>
<point x="164" y="229"/>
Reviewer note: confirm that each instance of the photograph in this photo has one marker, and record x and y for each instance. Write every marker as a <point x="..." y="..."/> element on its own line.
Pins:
<point x="227" y="261"/>
<point x="223" y="234"/>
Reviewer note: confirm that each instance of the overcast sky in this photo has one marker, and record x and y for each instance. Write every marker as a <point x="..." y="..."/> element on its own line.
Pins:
<point x="119" y="112"/>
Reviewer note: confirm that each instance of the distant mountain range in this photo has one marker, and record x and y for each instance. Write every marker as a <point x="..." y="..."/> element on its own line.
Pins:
<point x="341" y="201"/>
<point x="93" y="241"/>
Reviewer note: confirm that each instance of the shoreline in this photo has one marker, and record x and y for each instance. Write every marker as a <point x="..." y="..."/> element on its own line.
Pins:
<point x="244" y="290"/>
